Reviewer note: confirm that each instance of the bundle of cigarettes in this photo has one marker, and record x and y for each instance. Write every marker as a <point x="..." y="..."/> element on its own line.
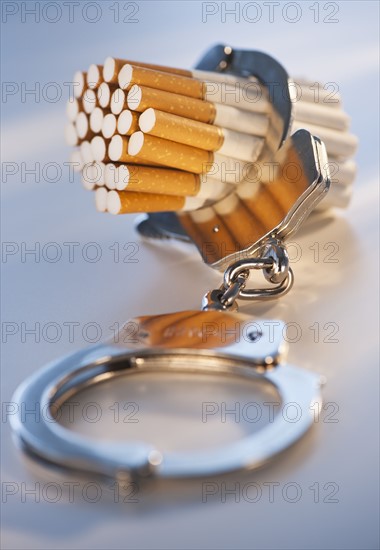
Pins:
<point x="151" y="138"/>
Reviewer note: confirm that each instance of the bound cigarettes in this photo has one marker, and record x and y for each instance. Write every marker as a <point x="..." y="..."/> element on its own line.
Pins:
<point x="182" y="157"/>
<point x="197" y="134"/>
<point x="154" y="138"/>
<point x="141" y="98"/>
<point x="236" y="93"/>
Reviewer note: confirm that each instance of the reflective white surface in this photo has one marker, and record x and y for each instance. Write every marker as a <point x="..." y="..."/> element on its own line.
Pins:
<point x="165" y="278"/>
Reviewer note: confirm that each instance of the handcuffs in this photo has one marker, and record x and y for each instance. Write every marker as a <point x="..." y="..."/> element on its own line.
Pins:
<point x="236" y="351"/>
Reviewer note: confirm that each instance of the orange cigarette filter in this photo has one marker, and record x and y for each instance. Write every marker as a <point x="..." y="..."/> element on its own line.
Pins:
<point x="243" y="225"/>
<point x="169" y="153"/>
<point x="205" y="222"/>
<point x="141" y="98"/>
<point x="118" y="152"/>
<point x="181" y="129"/>
<point x="162" y="181"/>
<point x="265" y="208"/>
<point x="127" y="202"/>
<point x="289" y="181"/>
<point x="169" y="82"/>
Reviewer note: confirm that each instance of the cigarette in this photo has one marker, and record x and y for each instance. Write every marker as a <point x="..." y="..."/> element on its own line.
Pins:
<point x="141" y="98"/>
<point x="306" y="91"/>
<point x="213" y="190"/>
<point x="226" y="169"/>
<point x="110" y="176"/>
<point x="86" y="152"/>
<point x="127" y="202"/>
<point x="342" y="173"/>
<point x="316" y="92"/>
<point x="162" y="181"/>
<point x="95" y="173"/>
<point x="198" y="134"/>
<point x="118" y="101"/>
<point x="73" y="108"/>
<point x="94" y="76"/>
<point x="113" y="66"/>
<point x="244" y="226"/>
<point x="99" y="147"/>
<point x="91" y="177"/>
<point x="233" y="93"/>
<point x="177" y="84"/>
<point x="227" y="90"/>
<point x="101" y="199"/>
<point x="118" y="152"/>
<point x="71" y="136"/>
<point x="338" y="144"/>
<point x="263" y="205"/>
<point x="79" y="83"/>
<point x="89" y="101"/>
<point x="104" y="94"/>
<point x="337" y="197"/>
<point x="76" y="160"/>
<point x="319" y="115"/>
<point x="83" y="127"/>
<point x="96" y="120"/>
<point x="216" y="241"/>
<point x="150" y="179"/>
<point x="109" y="125"/>
<point x="127" y="123"/>
<point x="169" y="153"/>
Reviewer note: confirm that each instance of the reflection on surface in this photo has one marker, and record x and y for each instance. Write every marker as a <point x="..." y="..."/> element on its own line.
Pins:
<point x="174" y="412"/>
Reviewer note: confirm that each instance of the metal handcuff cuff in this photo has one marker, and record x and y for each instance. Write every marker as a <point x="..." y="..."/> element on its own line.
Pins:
<point x="178" y="342"/>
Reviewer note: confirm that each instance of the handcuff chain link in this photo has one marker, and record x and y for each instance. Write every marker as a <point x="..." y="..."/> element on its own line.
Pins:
<point x="273" y="262"/>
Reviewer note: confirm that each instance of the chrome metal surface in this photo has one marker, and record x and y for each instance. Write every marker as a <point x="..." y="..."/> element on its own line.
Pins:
<point x="192" y="341"/>
<point x="247" y="265"/>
